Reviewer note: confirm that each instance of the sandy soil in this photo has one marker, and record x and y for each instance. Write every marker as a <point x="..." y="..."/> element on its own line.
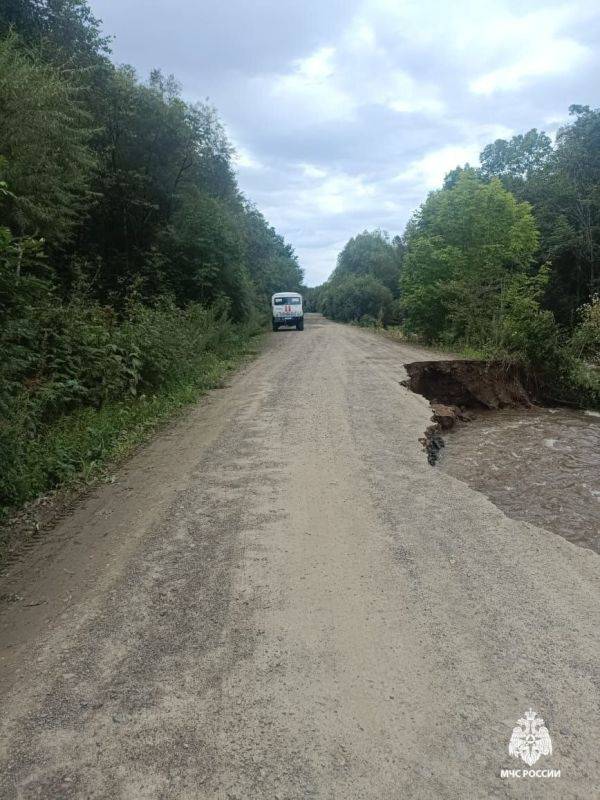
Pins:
<point x="280" y="598"/>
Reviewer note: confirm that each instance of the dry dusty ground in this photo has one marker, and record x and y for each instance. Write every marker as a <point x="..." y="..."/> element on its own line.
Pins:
<point x="280" y="598"/>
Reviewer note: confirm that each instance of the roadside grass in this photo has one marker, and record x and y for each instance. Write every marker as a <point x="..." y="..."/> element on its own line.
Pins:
<point x="82" y="448"/>
<point x="576" y="384"/>
<point x="397" y="334"/>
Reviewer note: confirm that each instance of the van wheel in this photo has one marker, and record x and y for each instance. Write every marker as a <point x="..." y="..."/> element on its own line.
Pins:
<point x="275" y="327"/>
<point x="300" y="325"/>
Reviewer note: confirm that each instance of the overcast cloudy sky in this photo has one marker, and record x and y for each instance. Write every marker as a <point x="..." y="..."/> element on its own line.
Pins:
<point x="345" y="114"/>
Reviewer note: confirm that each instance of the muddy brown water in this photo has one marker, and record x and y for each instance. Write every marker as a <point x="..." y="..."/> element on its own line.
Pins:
<point x="540" y="465"/>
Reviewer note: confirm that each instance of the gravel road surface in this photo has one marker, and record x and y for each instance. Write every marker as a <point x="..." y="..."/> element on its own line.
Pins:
<point x="278" y="598"/>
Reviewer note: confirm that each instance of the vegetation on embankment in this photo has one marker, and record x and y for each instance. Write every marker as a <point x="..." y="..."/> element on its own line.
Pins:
<point x="501" y="263"/>
<point x="131" y="375"/>
<point x="133" y="272"/>
<point x="80" y="448"/>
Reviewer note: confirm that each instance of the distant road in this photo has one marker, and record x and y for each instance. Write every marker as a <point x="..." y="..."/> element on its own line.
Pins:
<point x="279" y="598"/>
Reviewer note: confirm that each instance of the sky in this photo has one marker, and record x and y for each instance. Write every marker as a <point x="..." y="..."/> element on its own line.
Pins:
<point x="344" y="115"/>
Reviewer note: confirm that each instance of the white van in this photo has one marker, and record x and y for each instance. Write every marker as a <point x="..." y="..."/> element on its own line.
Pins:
<point x="286" y="309"/>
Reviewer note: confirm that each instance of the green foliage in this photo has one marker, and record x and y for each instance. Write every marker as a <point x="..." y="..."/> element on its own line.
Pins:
<point x="312" y="298"/>
<point x="132" y="269"/>
<point x="79" y="362"/>
<point x="364" y="285"/>
<point x="207" y="255"/>
<point x="503" y="261"/>
<point x="357" y="297"/>
<point x="455" y="174"/>
<point x="563" y="186"/>
<point x="466" y="248"/>
<point x="470" y="282"/>
<point x="578" y="160"/>
<point x="271" y="262"/>
<point x="66" y="31"/>
<point x="522" y="328"/>
<point x="137" y="173"/>
<point x="369" y="253"/>
<point x="585" y="340"/>
<point x="44" y="138"/>
<point x="519" y="157"/>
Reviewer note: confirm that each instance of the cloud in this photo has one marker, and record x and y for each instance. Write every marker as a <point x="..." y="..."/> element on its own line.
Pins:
<point x="338" y="194"/>
<point x="345" y="113"/>
<point x="334" y="83"/>
<point x="540" y="64"/>
<point x="541" y="48"/>
<point x="429" y="170"/>
<point x="244" y="159"/>
<point x="312" y="89"/>
<point x="310" y="171"/>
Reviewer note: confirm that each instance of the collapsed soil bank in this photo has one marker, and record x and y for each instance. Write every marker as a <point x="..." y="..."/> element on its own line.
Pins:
<point x="457" y="388"/>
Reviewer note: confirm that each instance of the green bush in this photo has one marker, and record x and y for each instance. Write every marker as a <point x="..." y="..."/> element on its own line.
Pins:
<point x="466" y="246"/>
<point x="77" y="381"/>
<point x="585" y="340"/>
<point x="359" y="296"/>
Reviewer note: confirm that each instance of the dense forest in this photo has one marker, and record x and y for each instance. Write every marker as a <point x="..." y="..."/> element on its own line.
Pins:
<point x="132" y="268"/>
<point x="503" y="261"/>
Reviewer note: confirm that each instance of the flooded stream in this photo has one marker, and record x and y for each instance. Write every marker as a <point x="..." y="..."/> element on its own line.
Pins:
<point x="539" y="465"/>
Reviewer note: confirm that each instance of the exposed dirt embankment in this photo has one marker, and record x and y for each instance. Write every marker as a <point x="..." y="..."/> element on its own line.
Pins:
<point x="457" y="388"/>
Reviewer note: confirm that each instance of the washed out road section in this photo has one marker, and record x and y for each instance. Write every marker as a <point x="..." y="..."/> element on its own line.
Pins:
<point x="280" y="598"/>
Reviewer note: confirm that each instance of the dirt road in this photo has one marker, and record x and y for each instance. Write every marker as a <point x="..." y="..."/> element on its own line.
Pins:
<point x="280" y="598"/>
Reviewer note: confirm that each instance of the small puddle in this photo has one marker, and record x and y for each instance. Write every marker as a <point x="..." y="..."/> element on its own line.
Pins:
<point x="540" y="465"/>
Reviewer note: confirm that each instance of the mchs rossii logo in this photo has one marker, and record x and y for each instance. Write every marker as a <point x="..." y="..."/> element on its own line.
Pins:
<point x="530" y="741"/>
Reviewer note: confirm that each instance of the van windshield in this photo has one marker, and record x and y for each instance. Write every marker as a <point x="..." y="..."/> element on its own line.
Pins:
<point x="286" y="301"/>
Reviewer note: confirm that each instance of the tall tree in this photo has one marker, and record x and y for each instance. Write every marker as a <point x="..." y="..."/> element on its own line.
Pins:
<point x="356" y="298"/>
<point x="45" y="135"/>
<point x="130" y="185"/>
<point x="518" y="157"/>
<point x="562" y="185"/>
<point x="464" y="246"/>
<point x="370" y="253"/>
<point x="64" y="31"/>
<point x="578" y="158"/>
<point x="271" y="262"/>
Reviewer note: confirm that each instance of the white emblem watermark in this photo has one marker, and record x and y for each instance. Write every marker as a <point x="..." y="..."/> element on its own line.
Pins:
<point x="529" y="741"/>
